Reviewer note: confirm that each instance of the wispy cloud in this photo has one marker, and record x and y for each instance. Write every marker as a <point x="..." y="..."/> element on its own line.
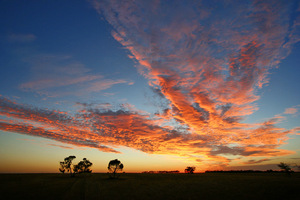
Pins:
<point x="250" y="162"/>
<point x="27" y="140"/>
<point x="21" y="38"/>
<point x="206" y="60"/>
<point x="209" y="60"/>
<point x="61" y="146"/>
<point x="106" y="128"/>
<point x="55" y="75"/>
<point x="291" y="111"/>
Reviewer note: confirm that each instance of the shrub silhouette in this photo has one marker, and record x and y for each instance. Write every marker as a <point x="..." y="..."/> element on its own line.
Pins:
<point x="83" y="166"/>
<point x="66" y="165"/>
<point x="189" y="170"/>
<point x="114" y="166"/>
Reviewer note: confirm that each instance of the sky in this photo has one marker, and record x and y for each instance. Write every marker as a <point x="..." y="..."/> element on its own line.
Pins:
<point x="159" y="85"/>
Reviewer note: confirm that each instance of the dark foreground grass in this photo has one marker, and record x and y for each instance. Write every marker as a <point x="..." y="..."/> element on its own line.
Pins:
<point x="150" y="186"/>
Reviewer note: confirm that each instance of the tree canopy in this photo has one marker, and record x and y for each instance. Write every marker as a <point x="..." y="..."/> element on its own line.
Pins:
<point x="189" y="170"/>
<point x="66" y="165"/>
<point x="285" y="167"/>
<point x="114" y="166"/>
<point x="83" y="166"/>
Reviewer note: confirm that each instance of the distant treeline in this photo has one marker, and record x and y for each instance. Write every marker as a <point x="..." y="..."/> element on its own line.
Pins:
<point x="216" y="171"/>
<point x="244" y="171"/>
<point x="161" y="172"/>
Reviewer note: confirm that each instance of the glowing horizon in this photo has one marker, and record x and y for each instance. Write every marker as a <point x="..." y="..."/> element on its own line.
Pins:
<point x="152" y="83"/>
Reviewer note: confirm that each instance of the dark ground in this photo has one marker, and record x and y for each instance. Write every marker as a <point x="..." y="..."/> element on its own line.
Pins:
<point x="151" y="186"/>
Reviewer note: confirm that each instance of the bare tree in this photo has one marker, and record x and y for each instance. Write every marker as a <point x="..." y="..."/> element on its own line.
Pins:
<point x="114" y="166"/>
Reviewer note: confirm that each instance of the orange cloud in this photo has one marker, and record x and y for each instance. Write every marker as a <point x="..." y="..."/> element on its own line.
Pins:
<point x="206" y="68"/>
<point x="208" y="83"/>
<point x="100" y="127"/>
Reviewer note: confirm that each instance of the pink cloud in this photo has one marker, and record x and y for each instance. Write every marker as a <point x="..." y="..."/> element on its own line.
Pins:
<point x="291" y="111"/>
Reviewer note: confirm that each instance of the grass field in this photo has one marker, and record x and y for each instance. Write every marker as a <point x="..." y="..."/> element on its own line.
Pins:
<point x="150" y="186"/>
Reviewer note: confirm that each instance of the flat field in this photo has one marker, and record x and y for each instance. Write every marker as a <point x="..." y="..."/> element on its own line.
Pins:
<point x="151" y="186"/>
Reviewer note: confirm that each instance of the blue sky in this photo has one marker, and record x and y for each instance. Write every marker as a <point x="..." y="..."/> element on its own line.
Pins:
<point x="214" y="85"/>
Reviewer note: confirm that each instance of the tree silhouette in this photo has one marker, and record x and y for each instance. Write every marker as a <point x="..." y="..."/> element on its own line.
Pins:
<point x="285" y="167"/>
<point x="62" y="167"/>
<point x="114" y="166"/>
<point x="83" y="166"/>
<point x="189" y="170"/>
<point x="66" y="165"/>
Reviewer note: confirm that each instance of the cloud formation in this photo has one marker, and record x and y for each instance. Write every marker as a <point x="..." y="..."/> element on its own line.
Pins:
<point x="291" y="111"/>
<point x="55" y="75"/>
<point x="206" y="59"/>
<point x="21" y="38"/>
<point x="106" y="128"/>
<point x="250" y="162"/>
